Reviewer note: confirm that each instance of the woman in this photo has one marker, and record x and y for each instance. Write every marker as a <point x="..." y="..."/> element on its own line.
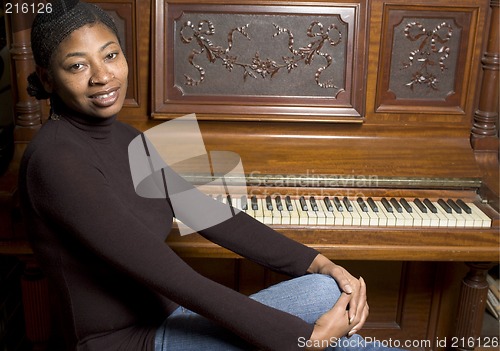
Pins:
<point x="117" y="285"/>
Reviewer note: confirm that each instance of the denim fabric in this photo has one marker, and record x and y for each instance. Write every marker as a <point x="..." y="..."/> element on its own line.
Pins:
<point x="307" y="297"/>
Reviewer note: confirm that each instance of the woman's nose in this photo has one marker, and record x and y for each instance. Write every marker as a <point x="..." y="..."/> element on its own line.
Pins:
<point x="101" y="76"/>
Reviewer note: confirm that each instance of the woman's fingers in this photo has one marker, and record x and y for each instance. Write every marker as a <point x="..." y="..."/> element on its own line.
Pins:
<point x="358" y="301"/>
<point x="359" y="325"/>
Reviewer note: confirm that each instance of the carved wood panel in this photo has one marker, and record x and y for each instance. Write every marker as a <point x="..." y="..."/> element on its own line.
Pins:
<point x="285" y="62"/>
<point x="425" y="61"/>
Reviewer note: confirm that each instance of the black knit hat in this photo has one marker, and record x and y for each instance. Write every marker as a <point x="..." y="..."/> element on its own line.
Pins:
<point x="49" y="29"/>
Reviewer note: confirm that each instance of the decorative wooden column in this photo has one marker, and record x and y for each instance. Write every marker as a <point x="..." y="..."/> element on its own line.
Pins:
<point x="472" y="304"/>
<point x="28" y="119"/>
<point x="486" y="121"/>
<point x="485" y="127"/>
<point x="485" y="141"/>
<point x="27" y="110"/>
<point x="36" y="306"/>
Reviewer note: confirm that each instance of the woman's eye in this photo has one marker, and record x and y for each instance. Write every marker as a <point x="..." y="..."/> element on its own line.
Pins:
<point x="76" y="67"/>
<point x="111" y="56"/>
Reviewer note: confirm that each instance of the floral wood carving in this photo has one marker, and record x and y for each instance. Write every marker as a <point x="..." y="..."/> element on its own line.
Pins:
<point x="430" y="53"/>
<point x="256" y="66"/>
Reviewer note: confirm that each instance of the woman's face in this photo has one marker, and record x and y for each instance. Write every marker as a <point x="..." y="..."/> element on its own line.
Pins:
<point x="89" y="72"/>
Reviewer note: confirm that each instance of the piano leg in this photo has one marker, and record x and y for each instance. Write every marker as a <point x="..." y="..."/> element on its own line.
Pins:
<point x="36" y="307"/>
<point x="472" y="304"/>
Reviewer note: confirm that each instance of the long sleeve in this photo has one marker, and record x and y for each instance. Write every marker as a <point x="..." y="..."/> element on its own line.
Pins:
<point x="218" y="222"/>
<point x="88" y="211"/>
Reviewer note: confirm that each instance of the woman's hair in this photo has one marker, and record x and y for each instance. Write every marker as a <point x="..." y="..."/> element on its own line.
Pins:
<point x="50" y="29"/>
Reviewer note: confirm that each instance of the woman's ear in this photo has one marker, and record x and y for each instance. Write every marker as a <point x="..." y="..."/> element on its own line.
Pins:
<point x="45" y="78"/>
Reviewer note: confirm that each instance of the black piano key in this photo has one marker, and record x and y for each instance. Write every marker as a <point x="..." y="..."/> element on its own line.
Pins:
<point x="269" y="203"/>
<point x="244" y="203"/>
<point x="362" y="204"/>
<point x="430" y="206"/>
<point x="255" y="204"/>
<point x="328" y="204"/>
<point x="420" y="205"/>
<point x="387" y="205"/>
<point x="338" y="204"/>
<point x="313" y="203"/>
<point x="279" y="204"/>
<point x="303" y="203"/>
<point x="454" y="206"/>
<point x="288" y="203"/>
<point x="464" y="206"/>
<point x="396" y="205"/>
<point x="347" y="204"/>
<point x="444" y="205"/>
<point x="406" y="205"/>
<point x="372" y="204"/>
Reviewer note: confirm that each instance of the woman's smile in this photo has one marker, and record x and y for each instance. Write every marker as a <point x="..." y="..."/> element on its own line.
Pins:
<point x="106" y="98"/>
<point x="89" y="72"/>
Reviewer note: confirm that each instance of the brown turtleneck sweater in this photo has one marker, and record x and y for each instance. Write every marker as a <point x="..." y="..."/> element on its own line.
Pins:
<point x="103" y="247"/>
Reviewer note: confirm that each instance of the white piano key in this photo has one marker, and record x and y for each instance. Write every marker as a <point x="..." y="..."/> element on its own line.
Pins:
<point x="374" y="218"/>
<point x="390" y="219"/>
<point x="294" y="214"/>
<point x="285" y="216"/>
<point x="267" y="214"/>
<point x="381" y="215"/>
<point x="347" y="217"/>
<point x="364" y="218"/>
<point x="408" y="218"/>
<point x="259" y="212"/>
<point x="483" y="219"/>
<point x="400" y="219"/>
<point x="276" y="214"/>
<point x="451" y="219"/>
<point x="303" y="217"/>
<point x="320" y="214"/>
<point x="338" y="218"/>
<point x="311" y="214"/>
<point x="459" y="218"/>
<point x="429" y="219"/>
<point x="329" y="217"/>
<point x="442" y="215"/>
<point x="356" y="216"/>
<point x="469" y="219"/>
<point x="418" y="220"/>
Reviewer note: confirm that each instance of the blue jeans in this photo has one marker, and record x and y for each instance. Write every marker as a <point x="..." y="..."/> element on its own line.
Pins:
<point x="307" y="297"/>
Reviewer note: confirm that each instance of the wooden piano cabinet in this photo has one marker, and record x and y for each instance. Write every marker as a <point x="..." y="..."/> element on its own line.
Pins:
<point x="387" y="127"/>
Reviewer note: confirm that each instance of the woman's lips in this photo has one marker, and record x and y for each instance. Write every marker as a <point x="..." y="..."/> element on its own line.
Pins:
<point x="105" y="98"/>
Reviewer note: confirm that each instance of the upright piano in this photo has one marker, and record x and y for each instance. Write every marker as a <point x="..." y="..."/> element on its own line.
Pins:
<point x="366" y="129"/>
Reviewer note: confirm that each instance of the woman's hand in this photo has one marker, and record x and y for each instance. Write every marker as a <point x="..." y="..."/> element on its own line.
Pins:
<point x="354" y="288"/>
<point x="336" y="322"/>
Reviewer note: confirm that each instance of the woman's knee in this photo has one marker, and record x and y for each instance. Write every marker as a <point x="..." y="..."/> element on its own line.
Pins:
<point x="324" y="286"/>
<point x="307" y="297"/>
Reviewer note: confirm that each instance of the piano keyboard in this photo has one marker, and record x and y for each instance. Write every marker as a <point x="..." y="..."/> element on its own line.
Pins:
<point x="342" y="211"/>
